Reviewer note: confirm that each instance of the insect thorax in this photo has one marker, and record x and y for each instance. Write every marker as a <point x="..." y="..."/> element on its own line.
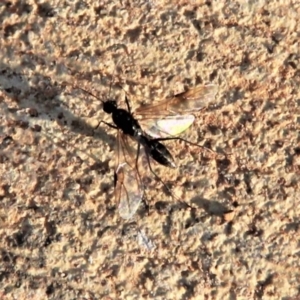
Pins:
<point x="125" y="121"/>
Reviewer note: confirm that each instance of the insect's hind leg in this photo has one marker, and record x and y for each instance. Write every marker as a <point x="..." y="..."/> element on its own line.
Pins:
<point x="162" y="182"/>
<point x="184" y="140"/>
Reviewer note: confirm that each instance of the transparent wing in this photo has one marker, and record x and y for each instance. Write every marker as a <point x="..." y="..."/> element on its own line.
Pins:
<point x="129" y="190"/>
<point x="189" y="101"/>
<point x="173" y="116"/>
<point x="167" y="126"/>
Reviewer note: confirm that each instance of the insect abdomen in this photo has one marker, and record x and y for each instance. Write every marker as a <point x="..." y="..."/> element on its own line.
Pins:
<point x="162" y="155"/>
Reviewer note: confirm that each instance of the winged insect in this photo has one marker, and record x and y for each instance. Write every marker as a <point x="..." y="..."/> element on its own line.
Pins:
<point x="129" y="190"/>
<point x="149" y="126"/>
<point x="125" y="121"/>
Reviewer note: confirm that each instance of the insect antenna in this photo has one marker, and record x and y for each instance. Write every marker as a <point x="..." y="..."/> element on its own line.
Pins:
<point x="88" y="92"/>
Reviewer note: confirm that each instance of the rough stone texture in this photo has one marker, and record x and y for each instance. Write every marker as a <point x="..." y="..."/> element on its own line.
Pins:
<point x="61" y="236"/>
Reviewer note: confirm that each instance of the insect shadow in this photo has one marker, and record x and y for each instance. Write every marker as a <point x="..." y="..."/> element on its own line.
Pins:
<point x="148" y="126"/>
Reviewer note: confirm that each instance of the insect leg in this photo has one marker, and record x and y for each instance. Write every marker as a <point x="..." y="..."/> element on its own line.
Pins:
<point x="166" y="187"/>
<point x="108" y="124"/>
<point x="126" y="100"/>
<point x="156" y="176"/>
<point x="184" y="140"/>
<point x="127" y="104"/>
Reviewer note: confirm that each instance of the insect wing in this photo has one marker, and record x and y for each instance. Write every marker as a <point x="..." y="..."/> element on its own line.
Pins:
<point x="173" y="116"/>
<point x="128" y="191"/>
<point x="168" y="126"/>
<point x="128" y="187"/>
<point x="189" y="101"/>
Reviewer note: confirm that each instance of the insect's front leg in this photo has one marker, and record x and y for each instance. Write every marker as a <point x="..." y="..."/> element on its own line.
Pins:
<point x="127" y="104"/>
<point x="108" y="124"/>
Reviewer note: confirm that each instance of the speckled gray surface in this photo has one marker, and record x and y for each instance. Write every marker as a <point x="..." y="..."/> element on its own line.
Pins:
<point x="61" y="235"/>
